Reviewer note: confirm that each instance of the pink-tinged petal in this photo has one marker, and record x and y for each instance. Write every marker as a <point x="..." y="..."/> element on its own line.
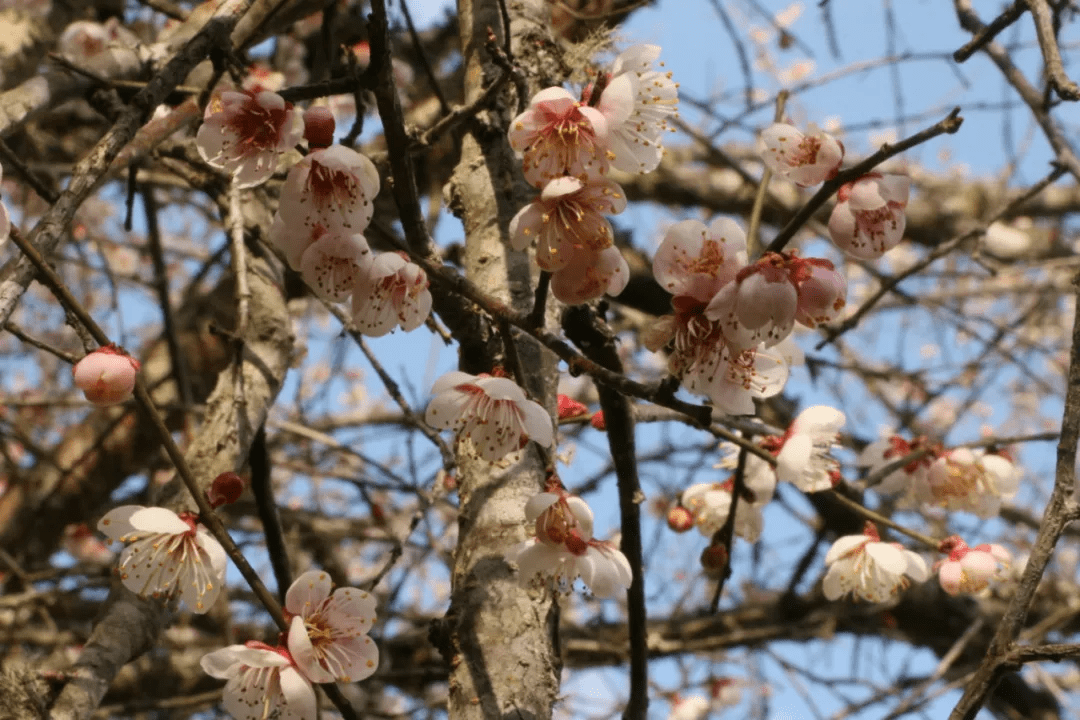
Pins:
<point x="951" y="577"/>
<point x="357" y="658"/>
<point x="537" y="423"/>
<point x="297" y="696"/>
<point x="535" y="558"/>
<point x="498" y="388"/>
<point x="895" y="188"/>
<point x="1004" y="472"/>
<point x="352" y="610"/>
<point x="842" y="226"/>
<point x="303" y="652"/>
<point x="492" y="441"/>
<point x="636" y="59"/>
<point x="979" y="567"/>
<point x="617" y="101"/>
<point x="414" y="314"/>
<point x="308" y="592"/>
<point x="538" y="503"/>
<point x="560" y="187"/>
<point x="157" y="520"/>
<point x="222" y="663"/>
<point x="836" y="584"/>
<point x="331" y="264"/>
<point x="526" y="226"/>
<point x="452" y="379"/>
<point x="866" y="194"/>
<point x="447" y="409"/>
<point x="845" y="546"/>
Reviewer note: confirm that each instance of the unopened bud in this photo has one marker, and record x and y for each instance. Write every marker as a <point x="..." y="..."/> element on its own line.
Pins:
<point x="106" y="376"/>
<point x="680" y="519"/>
<point x="598" y="420"/>
<point x="570" y="408"/>
<point x="319" y="127"/>
<point x="225" y="490"/>
<point x="714" y="560"/>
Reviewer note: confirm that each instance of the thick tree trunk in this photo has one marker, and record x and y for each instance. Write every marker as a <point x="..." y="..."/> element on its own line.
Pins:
<point x="501" y="636"/>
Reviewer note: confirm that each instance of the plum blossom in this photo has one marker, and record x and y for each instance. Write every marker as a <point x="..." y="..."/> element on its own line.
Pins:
<point x="759" y="305"/>
<point x="559" y="136"/>
<point x="696" y="260"/>
<point x="106" y="376"/>
<point x="590" y="274"/>
<point x="167" y="552"/>
<point x="564" y="549"/>
<point x="263" y="682"/>
<point x="328" y="633"/>
<point x="710" y="503"/>
<point x="569" y="214"/>
<point x="331" y="190"/>
<point x="107" y="48"/>
<point x="970" y="570"/>
<point x="822" y="292"/>
<point x="694" y="707"/>
<point x="332" y="264"/>
<point x="245" y="132"/>
<point x="637" y="103"/>
<point x="908" y="482"/>
<point x="804" y="458"/>
<point x="972" y="480"/>
<point x="804" y="159"/>
<point x="869" y="569"/>
<point x="390" y="291"/>
<point x="492" y="412"/>
<point x="868" y="219"/>
<point x="81" y="543"/>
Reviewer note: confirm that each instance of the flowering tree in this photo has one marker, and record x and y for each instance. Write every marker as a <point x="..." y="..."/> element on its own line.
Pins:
<point x="225" y="454"/>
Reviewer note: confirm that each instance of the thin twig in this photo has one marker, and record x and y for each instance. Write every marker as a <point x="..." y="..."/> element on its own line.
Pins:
<point x="989" y="32"/>
<point x="725" y="536"/>
<point x="1055" y="69"/>
<point x="763" y="188"/>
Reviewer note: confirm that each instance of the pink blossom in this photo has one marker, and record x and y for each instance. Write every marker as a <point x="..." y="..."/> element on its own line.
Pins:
<point x="869" y="569"/>
<point x="492" y="412"/>
<point x="804" y="159"/>
<point x="263" y="682"/>
<point x="81" y="543"/>
<point x="868" y="219"/>
<point x="106" y="376"/>
<point x="564" y="549"/>
<point x="908" y="482"/>
<point x="696" y="260"/>
<point x="244" y="133"/>
<point x="637" y="103"/>
<point x="167" y="553"/>
<point x="822" y="292"/>
<point x="569" y="214"/>
<point x="330" y="190"/>
<point x="710" y="503"/>
<point x="758" y="306"/>
<point x="590" y="274"/>
<point x="332" y="264"/>
<point x="108" y="48"/>
<point x="970" y="570"/>
<point x="733" y="380"/>
<point x="391" y="291"/>
<point x="971" y="480"/>
<point x="804" y="460"/>
<point x="559" y="136"/>
<point x="328" y="633"/>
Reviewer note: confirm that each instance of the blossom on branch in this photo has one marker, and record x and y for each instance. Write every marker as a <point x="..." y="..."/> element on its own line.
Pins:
<point x="908" y="482"/>
<point x="328" y="633"/>
<point x="869" y="569"/>
<point x="568" y="216"/>
<point x="970" y="570"/>
<point x="332" y="264"/>
<point x="390" y="291"/>
<point x="167" y="553"/>
<point x="564" y="549"/>
<point x="491" y="412"/>
<point x="868" y="219"/>
<point x="710" y="503"/>
<point x="804" y="458"/>
<point x="970" y="479"/>
<point x="263" y="682"/>
<point x="590" y="274"/>
<point x="559" y="136"/>
<point x="638" y="103"/>
<point x="758" y="306"/>
<point x="330" y="191"/>
<point x="106" y="376"/>
<point x="244" y="132"/>
<point x="804" y="159"/>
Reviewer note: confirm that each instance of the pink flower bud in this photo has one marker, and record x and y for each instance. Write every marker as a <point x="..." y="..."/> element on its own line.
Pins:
<point x="225" y="490"/>
<point x="570" y="408"/>
<point x="106" y="376"/>
<point x="319" y="127"/>
<point x="680" y="519"/>
<point x="597" y="420"/>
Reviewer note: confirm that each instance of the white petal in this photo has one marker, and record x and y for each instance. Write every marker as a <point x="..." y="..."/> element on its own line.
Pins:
<point x="303" y="652"/>
<point x="844" y="546"/>
<point x="308" y="592"/>
<point x="298" y="696"/>
<point x="537" y="423"/>
<point x="539" y="503"/>
<point x="158" y="520"/>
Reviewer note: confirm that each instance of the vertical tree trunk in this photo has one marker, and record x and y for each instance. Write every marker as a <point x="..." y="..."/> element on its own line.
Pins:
<point x="501" y="636"/>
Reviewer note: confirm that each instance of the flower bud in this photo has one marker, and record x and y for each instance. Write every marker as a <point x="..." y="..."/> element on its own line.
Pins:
<point x="570" y="408"/>
<point x="225" y="490"/>
<point x="319" y="127"/>
<point x="598" y="420"/>
<point x="680" y="519"/>
<point x="106" y="376"/>
<point x="714" y="560"/>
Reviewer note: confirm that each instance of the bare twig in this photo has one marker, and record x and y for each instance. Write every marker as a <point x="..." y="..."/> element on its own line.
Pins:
<point x="1055" y="69"/>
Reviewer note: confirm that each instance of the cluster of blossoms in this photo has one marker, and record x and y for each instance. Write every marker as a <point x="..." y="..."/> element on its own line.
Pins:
<point x="966" y="479"/>
<point x="326" y="204"/>
<point x="731" y="318"/>
<point x="563" y="547"/>
<point x="868" y="219"/>
<point x="868" y="569"/>
<point x="567" y="147"/>
<point x="327" y="642"/>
